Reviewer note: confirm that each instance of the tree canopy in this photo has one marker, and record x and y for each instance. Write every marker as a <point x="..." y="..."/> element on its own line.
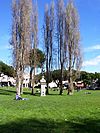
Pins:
<point x="6" y="69"/>
<point x="40" y="58"/>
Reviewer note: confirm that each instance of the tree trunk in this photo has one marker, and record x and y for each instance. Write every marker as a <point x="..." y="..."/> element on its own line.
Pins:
<point x="33" y="82"/>
<point x="30" y="83"/>
<point x="18" y="83"/>
<point x="47" y="75"/>
<point x="47" y="69"/>
<point x="21" y="87"/>
<point x="61" y="85"/>
<point x="70" y="87"/>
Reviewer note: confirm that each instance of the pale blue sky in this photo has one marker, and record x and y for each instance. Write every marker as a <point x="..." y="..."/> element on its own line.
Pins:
<point x="89" y="13"/>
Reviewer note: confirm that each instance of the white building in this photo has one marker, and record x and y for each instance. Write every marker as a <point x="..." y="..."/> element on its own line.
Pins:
<point x="26" y="80"/>
<point x="7" y="81"/>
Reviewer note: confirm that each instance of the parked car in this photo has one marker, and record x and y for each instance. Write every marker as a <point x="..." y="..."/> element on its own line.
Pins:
<point x="52" y="85"/>
<point x="94" y="87"/>
<point x="65" y="86"/>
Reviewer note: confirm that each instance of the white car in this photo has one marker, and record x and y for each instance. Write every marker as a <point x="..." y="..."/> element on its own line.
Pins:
<point x="52" y="85"/>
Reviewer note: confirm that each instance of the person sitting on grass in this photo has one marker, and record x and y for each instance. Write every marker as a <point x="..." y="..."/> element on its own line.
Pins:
<point x="18" y="97"/>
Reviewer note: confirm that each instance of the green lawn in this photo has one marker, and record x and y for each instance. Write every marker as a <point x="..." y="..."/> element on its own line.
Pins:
<point x="79" y="113"/>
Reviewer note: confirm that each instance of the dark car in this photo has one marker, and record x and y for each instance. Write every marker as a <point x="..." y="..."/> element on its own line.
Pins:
<point x="65" y="86"/>
<point x="94" y="87"/>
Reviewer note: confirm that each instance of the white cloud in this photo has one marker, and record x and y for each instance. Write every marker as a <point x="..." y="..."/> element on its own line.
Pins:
<point x="92" y="48"/>
<point x="92" y="62"/>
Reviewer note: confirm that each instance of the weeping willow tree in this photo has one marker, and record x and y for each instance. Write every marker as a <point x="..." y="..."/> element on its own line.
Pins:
<point x="20" y="40"/>
<point x="74" y="56"/>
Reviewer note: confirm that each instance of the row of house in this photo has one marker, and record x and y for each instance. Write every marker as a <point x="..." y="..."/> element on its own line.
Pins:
<point x="10" y="81"/>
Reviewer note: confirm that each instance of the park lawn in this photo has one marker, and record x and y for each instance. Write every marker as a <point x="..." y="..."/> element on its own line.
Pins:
<point x="79" y="113"/>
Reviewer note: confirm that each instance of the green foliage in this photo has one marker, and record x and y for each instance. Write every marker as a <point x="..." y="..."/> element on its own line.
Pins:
<point x="53" y="113"/>
<point x="89" y="77"/>
<point x="40" y="58"/>
<point x="98" y="82"/>
<point x="56" y="74"/>
<point x="7" y="70"/>
<point x="86" y="77"/>
<point x="97" y="75"/>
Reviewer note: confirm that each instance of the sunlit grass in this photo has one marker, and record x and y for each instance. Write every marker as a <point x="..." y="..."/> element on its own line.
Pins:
<point x="50" y="114"/>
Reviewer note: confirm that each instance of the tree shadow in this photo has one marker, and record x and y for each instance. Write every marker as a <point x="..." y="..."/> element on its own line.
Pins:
<point x="53" y="94"/>
<point x="26" y="93"/>
<point x="50" y="126"/>
<point x="8" y="91"/>
<point x="39" y="93"/>
<point x="5" y="91"/>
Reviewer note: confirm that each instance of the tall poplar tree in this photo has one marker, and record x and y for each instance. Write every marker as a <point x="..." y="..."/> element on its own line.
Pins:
<point x="34" y="43"/>
<point x="20" y="41"/>
<point x="61" y="39"/>
<point x="48" y="38"/>
<point x="74" y="57"/>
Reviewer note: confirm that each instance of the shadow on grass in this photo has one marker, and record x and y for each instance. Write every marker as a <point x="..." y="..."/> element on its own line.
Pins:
<point x="6" y="91"/>
<point x="10" y="91"/>
<point x="53" y="94"/>
<point x="50" y="126"/>
<point x="27" y="93"/>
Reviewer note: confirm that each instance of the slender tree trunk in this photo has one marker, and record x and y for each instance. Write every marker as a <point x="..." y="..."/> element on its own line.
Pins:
<point x="18" y="84"/>
<point x="71" y="87"/>
<point x="61" y="85"/>
<point x="21" y="87"/>
<point x="31" y="72"/>
<point x="33" y="82"/>
<point x="47" y="74"/>
<point x="32" y="79"/>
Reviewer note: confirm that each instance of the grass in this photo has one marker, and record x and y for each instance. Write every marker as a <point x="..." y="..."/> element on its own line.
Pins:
<point x="79" y="113"/>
